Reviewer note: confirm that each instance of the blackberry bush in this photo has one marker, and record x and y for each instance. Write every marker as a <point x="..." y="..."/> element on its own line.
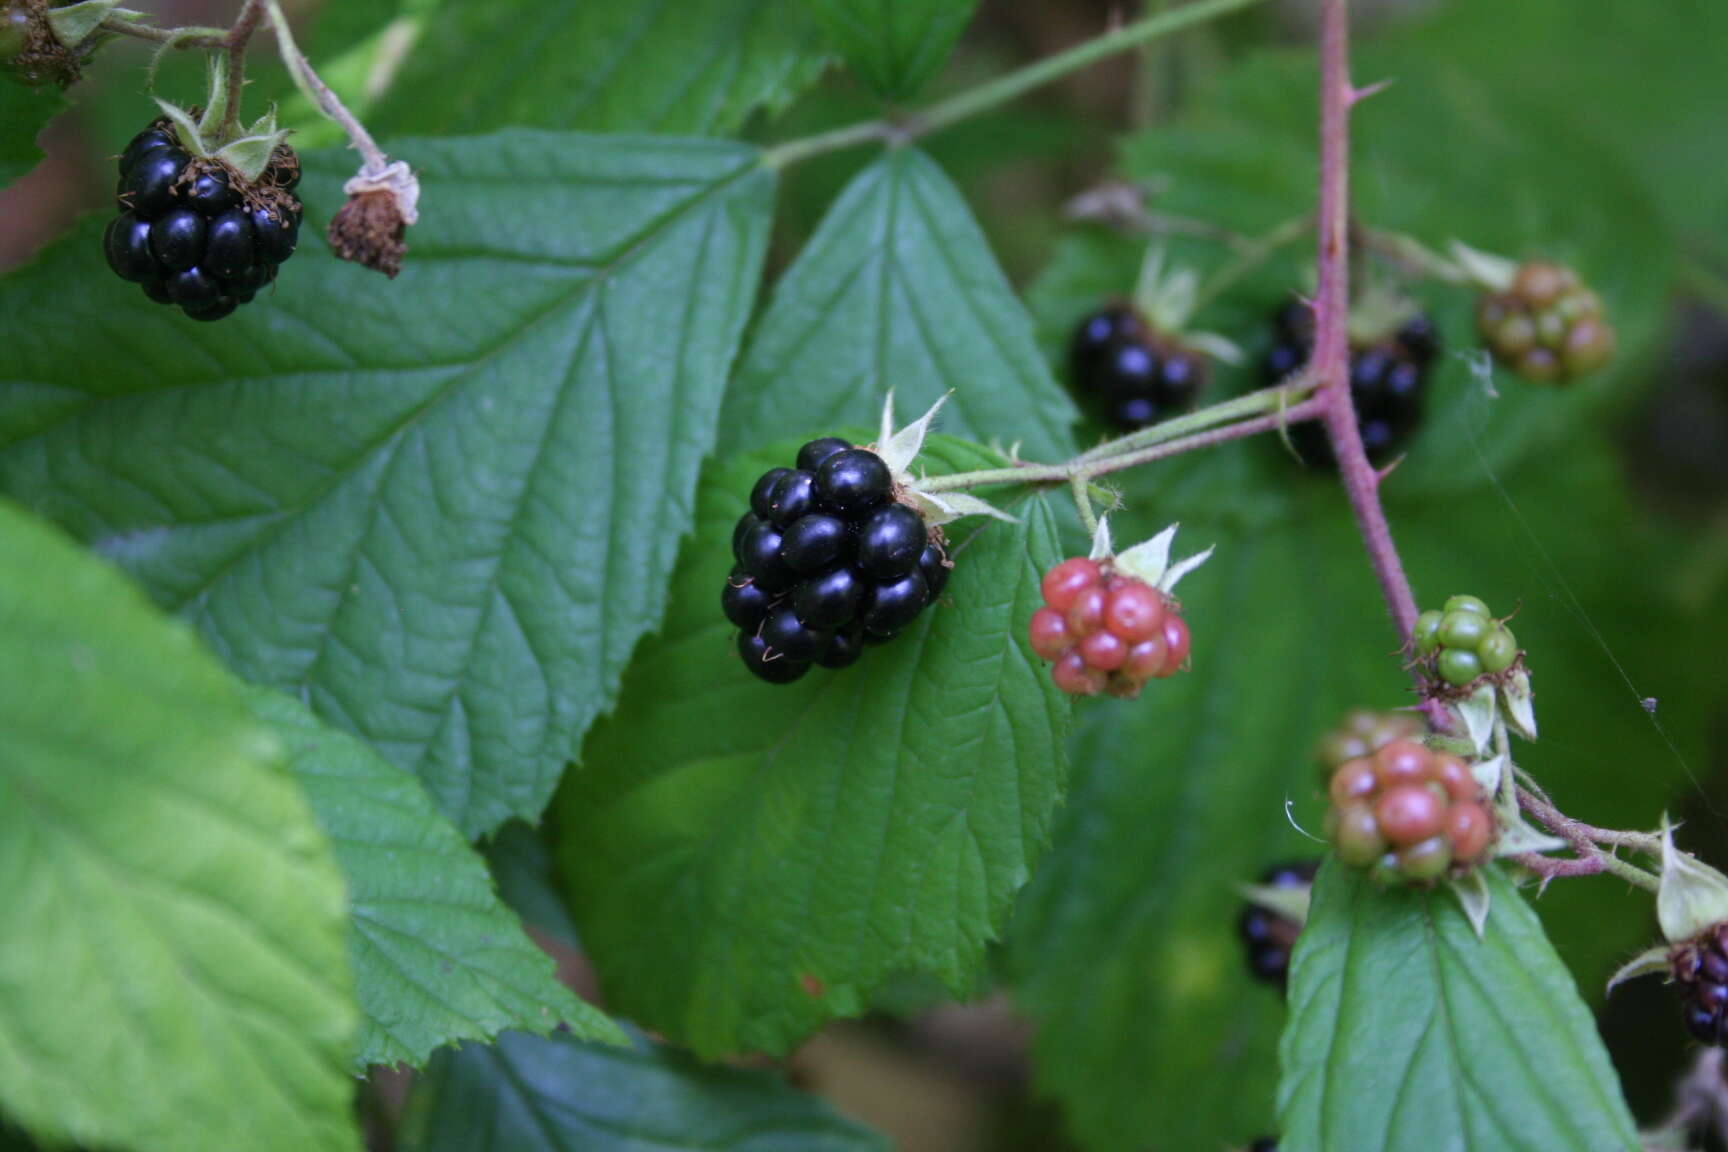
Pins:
<point x="1546" y="326"/>
<point x="1128" y="375"/>
<point x="193" y="231"/>
<point x="1409" y="813"/>
<point x="828" y="560"/>
<point x="1388" y="380"/>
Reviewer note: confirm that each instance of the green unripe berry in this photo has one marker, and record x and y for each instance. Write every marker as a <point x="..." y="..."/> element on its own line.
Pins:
<point x="1498" y="650"/>
<point x="1427" y="860"/>
<point x="1465" y="604"/>
<point x="1464" y="628"/>
<point x="1551" y="330"/>
<point x="1459" y="666"/>
<point x="1427" y="631"/>
<point x="1356" y="835"/>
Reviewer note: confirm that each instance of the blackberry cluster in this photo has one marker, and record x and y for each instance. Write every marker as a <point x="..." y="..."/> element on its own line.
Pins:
<point x="1106" y="631"/>
<point x="1267" y="936"/>
<point x="1700" y="967"/>
<point x="1547" y="326"/>
<point x="1129" y="376"/>
<point x="1364" y="733"/>
<point x="1264" y="1144"/>
<point x="1462" y="641"/>
<point x="1387" y="382"/>
<point x="1408" y="812"/>
<point x="827" y="562"/>
<point x="191" y="232"/>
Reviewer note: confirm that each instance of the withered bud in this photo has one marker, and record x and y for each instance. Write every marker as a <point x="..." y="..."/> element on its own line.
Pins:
<point x="368" y="228"/>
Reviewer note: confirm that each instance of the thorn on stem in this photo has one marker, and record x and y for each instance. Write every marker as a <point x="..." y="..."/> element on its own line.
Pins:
<point x="1357" y="95"/>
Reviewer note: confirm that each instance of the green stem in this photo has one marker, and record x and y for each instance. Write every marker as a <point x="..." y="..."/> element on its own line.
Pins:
<point x="1083" y="469"/>
<point x="1274" y="399"/>
<point x="996" y="92"/>
<point x="1083" y="502"/>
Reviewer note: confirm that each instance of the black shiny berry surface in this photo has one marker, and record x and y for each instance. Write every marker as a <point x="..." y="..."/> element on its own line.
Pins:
<point x="1128" y="376"/>
<point x="1388" y="380"/>
<point x="827" y="563"/>
<point x="1268" y="937"/>
<point x="186" y="234"/>
<point x="1700" y="969"/>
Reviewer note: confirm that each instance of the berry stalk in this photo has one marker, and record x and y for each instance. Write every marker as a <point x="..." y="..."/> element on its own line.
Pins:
<point x="1331" y="318"/>
<point x="994" y="93"/>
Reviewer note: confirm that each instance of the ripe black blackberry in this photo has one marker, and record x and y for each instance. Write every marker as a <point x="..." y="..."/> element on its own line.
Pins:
<point x="1128" y="375"/>
<point x="1267" y="936"/>
<point x="827" y="561"/>
<point x="1700" y="968"/>
<point x="1387" y="381"/>
<point x="193" y="232"/>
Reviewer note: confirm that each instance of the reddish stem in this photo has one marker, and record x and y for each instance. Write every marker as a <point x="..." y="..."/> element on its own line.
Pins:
<point x="1332" y="314"/>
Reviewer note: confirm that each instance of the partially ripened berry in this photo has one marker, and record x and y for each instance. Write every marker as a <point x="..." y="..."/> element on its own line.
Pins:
<point x="1128" y="375"/>
<point x="827" y="563"/>
<point x="191" y="232"/>
<point x="1387" y="380"/>
<point x="1409" y="813"/>
<point x="1547" y="326"/>
<point x="1268" y="937"/>
<point x="1462" y="642"/>
<point x="1106" y="631"/>
<point x="1700" y="968"/>
<point x="1363" y="733"/>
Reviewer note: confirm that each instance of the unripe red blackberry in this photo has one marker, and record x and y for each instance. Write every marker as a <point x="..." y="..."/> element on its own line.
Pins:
<point x="192" y="231"/>
<point x="828" y="561"/>
<point x="1700" y="968"/>
<point x="1409" y="813"/>
<point x="1106" y="631"/>
<point x="1127" y="374"/>
<point x="1546" y="326"/>
<point x="1362" y="733"/>
<point x="1267" y="936"/>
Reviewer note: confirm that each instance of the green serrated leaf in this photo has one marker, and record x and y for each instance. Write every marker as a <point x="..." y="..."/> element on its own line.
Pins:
<point x="665" y="66"/>
<point x="24" y="112"/>
<point x="556" y="1094"/>
<point x="897" y="289"/>
<point x="437" y="956"/>
<point x="176" y="979"/>
<point x="747" y="861"/>
<point x="1407" y="1032"/>
<point x="396" y="498"/>
<point x="895" y="46"/>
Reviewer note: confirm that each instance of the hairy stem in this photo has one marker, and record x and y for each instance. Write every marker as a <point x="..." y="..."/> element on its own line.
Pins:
<point x="235" y="45"/>
<point x="191" y="37"/>
<point x="313" y="87"/>
<point x="1331" y="362"/>
<point x="1088" y="470"/>
<point x="963" y="106"/>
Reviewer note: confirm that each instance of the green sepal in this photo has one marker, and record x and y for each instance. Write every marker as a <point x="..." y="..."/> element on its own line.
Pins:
<point x="250" y="154"/>
<point x="1647" y="963"/>
<point x="1693" y="896"/>
<point x="1475" y="897"/>
<point x="76" y="23"/>
<point x="191" y="138"/>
